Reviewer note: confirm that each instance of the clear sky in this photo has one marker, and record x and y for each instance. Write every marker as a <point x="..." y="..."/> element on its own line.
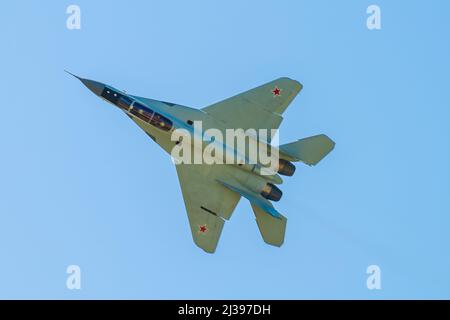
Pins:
<point x="80" y="184"/>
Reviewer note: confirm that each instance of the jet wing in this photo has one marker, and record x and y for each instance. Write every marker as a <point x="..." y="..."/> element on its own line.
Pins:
<point x="258" y="108"/>
<point x="208" y="203"/>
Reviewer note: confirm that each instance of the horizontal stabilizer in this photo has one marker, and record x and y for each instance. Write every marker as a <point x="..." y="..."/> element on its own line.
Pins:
<point x="255" y="199"/>
<point x="272" y="230"/>
<point x="271" y="224"/>
<point x="309" y="150"/>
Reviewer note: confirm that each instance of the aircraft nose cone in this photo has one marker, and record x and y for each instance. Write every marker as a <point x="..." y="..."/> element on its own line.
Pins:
<point x="95" y="86"/>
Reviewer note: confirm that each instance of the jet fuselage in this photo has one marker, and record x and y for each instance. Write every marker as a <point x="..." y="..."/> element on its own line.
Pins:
<point x="160" y="119"/>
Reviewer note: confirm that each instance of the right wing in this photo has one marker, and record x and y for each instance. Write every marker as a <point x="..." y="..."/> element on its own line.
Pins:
<point x="207" y="202"/>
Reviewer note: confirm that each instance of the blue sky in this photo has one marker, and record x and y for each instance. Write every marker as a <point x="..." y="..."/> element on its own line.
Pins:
<point x="81" y="184"/>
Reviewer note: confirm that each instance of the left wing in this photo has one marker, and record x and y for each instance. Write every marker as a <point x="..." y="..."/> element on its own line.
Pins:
<point x="207" y="202"/>
<point x="258" y="108"/>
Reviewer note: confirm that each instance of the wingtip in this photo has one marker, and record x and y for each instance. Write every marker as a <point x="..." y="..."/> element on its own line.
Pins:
<point x="298" y="84"/>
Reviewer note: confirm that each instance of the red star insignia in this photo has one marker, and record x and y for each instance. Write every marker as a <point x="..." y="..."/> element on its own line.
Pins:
<point x="203" y="229"/>
<point x="276" y="92"/>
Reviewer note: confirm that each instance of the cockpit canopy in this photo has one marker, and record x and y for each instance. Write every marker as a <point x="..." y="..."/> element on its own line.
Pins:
<point x="111" y="95"/>
<point x="137" y="109"/>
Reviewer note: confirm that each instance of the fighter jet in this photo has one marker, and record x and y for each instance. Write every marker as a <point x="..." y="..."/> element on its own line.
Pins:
<point x="212" y="191"/>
